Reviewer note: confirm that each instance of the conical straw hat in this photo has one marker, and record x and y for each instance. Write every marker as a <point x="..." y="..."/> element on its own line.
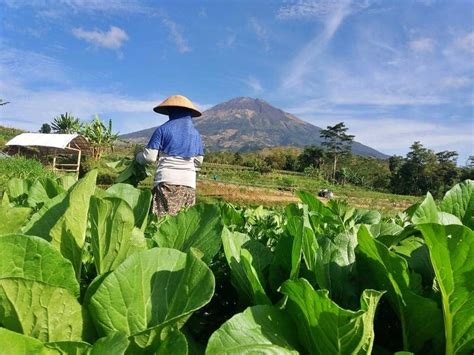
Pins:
<point x="177" y="101"/>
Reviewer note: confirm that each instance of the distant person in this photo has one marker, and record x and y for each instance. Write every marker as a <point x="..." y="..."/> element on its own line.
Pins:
<point x="177" y="146"/>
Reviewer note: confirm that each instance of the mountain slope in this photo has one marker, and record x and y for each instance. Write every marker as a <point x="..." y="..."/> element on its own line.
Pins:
<point x="245" y="124"/>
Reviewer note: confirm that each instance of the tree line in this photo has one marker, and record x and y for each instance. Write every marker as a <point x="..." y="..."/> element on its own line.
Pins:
<point x="421" y="170"/>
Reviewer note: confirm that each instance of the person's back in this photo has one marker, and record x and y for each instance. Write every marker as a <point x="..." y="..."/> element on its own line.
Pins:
<point x="177" y="147"/>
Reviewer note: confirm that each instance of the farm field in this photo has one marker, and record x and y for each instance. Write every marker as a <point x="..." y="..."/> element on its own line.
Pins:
<point x="219" y="278"/>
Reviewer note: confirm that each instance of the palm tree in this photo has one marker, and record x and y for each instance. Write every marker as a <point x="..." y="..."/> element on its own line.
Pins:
<point x="66" y="123"/>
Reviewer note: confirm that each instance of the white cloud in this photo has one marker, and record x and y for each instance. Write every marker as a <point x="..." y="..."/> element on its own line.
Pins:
<point x="422" y="45"/>
<point x="176" y="35"/>
<point x="466" y="42"/>
<point x="114" y="38"/>
<point x="456" y="82"/>
<point x="31" y="105"/>
<point x="261" y="32"/>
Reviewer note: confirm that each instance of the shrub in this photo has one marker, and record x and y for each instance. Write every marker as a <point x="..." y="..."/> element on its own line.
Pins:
<point x="23" y="168"/>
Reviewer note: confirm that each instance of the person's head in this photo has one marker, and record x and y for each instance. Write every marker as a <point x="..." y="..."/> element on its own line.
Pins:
<point x="177" y="106"/>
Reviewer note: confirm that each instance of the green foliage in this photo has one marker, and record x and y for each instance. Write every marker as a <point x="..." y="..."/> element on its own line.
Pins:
<point x="95" y="273"/>
<point x="99" y="136"/>
<point x="66" y="124"/>
<point x="22" y="168"/>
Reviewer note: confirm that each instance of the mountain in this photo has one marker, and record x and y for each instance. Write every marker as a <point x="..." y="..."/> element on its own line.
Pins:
<point x="246" y="124"/>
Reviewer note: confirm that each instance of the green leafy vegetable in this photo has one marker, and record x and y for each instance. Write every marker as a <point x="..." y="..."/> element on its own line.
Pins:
<point x="452" y="254"/>
<point x="459" y="201"/>
<point x="139" y="201"/>
<point x="388" y="271"/>
<point x="259" y="329"/>
<point x="113" y="235"/>
<point x="150" y="290"/>
<point x="41" y="311"/>
<point x="63" y="220"/>
<point x="324" y="327"/>
<point x="199" y="227"/>
<point x="246" y="266"/>
<point x="32" y="258"/>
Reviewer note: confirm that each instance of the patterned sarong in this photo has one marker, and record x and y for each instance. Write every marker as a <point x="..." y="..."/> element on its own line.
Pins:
<point x="170" y="199"/>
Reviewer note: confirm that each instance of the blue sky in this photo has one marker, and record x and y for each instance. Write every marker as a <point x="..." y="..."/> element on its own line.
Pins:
<point x="393" y="71"/>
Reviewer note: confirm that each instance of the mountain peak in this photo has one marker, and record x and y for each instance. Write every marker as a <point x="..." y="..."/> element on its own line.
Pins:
<point x="247" y="123"/>
<point x="246" y="103"/>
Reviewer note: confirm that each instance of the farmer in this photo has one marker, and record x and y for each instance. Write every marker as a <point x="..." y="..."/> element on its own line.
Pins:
<point x="177" y="146"/>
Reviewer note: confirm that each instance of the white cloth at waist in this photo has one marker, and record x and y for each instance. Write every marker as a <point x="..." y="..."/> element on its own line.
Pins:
<point x="170" y="169"/>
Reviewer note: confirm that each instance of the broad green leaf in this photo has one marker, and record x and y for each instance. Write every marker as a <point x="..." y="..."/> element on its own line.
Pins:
<point x="17" y="343"/>
<point x="33" y="258"/>
<point x="300" y="228"/>
<point x="17" y="188"/>
<point x="43" y="190"/>
<point x="459" y="201"/>
<point x="139" y="201"/>
<point x="452" y="254"/>
<point x="67" y="181"/>
<point x="13" y="218"/>
<point x="155" y="288"/>
<point x="199" y="227"/>
<point x="324" y="327"/>
<point x="335" y="268"/>
<point x="174" y="343"/>
<point x="69" y="347"/>
<point x="384" y="229"/>
<point x="259" y="329"/>
<point x="427" y="212"/>
<point x="63" y="220"/>
<point x="280" y="268"/>
<point x="448" y="218"/>
<point x="362" y="216"/>
<point x="115" y="343"/>
<point x="314" y="205"/>
<point x="416" y="253"/>
<point x="113" y="238"/>
<point x="387" y="271"/>
<point x="41" y="311"/>
<point x="246" y="266"/>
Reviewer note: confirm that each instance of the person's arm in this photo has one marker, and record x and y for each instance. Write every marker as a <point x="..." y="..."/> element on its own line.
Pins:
<point x="147" y="156"/>
<point x="198" y="162"/>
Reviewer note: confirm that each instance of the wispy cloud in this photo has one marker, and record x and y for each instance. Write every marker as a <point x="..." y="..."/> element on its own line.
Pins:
<point x="456" y="82"/>
<point x="176" y="35"/>
<point x="228" y="41"/>
<point x="466" y="42"/>
<point x="332" y="13"/>
<point x="261" y="32"/>
<point x="114" y="38"/>
<point x="57" y="8"/>
<point x="253" y="83"/>
<point x="422" y="45"/>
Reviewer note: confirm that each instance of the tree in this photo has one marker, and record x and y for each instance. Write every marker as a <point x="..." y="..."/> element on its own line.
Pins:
<point x="99" y="136"/>
<point x="45" y="128"/>
<point x="66" y="123"/>
<point x="311" y="156"/>
<point x="337" y="142"/>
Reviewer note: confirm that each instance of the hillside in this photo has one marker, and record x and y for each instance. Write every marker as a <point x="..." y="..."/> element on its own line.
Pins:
<point x="7" y="133"/>
<point x="245" y="124"/>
